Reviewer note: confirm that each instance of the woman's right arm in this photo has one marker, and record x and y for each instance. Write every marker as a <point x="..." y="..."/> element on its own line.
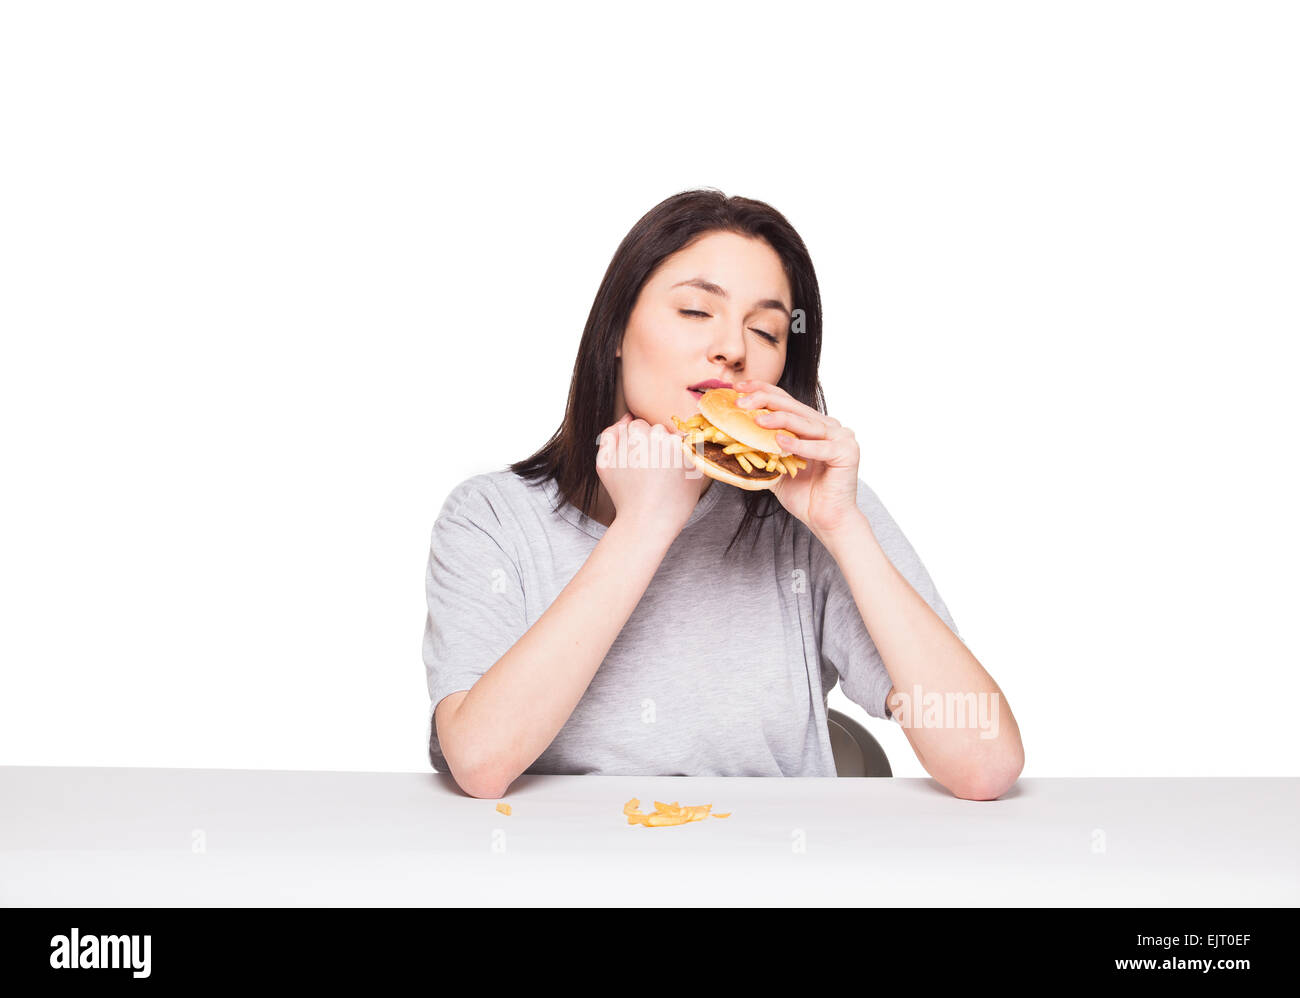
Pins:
<point x="496" y="729"/>
<point x="493" y="731"/>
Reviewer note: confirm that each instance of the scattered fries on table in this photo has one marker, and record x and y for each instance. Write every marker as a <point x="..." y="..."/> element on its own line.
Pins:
<point x="667" y="814"/>
<point x="663" y="814"/>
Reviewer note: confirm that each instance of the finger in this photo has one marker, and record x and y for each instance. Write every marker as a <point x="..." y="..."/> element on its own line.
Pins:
<point x="767" y="390"/>
<point x="792" y="421"/>
<point x="750" y="390"/>
<point x="771" y="390"/>
<point x="816" y="450"/>
<point x="776" y="399"/>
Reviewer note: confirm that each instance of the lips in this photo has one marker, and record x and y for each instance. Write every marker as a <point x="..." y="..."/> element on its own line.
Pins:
<point x="703" y="386"/>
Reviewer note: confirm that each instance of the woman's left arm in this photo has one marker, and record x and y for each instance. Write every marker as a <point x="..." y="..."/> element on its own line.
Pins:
<point x="971" y="743"/>
<point x="973" y="747"/>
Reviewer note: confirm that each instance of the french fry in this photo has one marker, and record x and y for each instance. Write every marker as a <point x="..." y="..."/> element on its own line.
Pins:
<point x="698" y="429"/>
<point x="667" y="814"/>
<point x="657" y="819"/>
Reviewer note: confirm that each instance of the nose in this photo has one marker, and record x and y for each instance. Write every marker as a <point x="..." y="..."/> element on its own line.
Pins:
<point x="728" y="349"/>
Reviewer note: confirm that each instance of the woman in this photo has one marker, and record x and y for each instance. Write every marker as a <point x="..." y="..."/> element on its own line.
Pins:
<point x="589" y="613"/>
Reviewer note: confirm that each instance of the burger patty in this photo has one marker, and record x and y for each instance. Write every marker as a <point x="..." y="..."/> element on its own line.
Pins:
<point x="713" y="451"/>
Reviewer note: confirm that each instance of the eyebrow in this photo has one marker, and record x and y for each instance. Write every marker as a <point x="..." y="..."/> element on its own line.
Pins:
<point x="713" y="289"/>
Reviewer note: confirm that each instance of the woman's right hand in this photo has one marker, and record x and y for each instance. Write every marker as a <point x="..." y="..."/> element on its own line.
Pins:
<point x="645" y="473"/>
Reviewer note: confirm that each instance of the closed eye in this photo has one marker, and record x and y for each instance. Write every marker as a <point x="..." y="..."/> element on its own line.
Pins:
<point x="767" y="336"/>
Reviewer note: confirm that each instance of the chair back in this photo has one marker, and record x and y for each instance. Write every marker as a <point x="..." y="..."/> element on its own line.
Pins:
<point x="856" y="752"/>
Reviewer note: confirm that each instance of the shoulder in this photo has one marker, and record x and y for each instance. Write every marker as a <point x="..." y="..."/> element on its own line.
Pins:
<point x="883" y="527"/>
<point x="481" y="491"/>
<point x="479" y="498"/>
<point x="871" y="505"/>
<point x="868" y="501"/>
<point x="882" y="523"/>
<point x="465" y="496"/>
<point x="499" y="502"/>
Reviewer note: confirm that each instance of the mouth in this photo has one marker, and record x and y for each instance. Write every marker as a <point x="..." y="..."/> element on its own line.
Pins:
<point x="699" y="388"/>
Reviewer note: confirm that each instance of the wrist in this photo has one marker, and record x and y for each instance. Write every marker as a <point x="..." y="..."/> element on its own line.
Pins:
<point x="851" y="532"/>
<point x="646" y="529"/>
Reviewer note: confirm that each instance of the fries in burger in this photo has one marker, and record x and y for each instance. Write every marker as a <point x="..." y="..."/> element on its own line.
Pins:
<point x="725" y="443"/>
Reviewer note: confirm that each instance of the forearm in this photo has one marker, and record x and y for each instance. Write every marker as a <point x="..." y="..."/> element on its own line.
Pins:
<point x="515" y="710"/>
<point x="951" y="710"/>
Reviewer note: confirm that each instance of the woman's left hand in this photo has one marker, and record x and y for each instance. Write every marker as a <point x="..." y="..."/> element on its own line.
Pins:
<point x="824" y="495"/>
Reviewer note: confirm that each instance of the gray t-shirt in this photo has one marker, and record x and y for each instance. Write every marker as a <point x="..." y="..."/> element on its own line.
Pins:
<point x="723" y="668"/>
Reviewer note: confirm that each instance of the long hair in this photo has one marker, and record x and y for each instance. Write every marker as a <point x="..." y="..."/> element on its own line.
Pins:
<point x="569" y="456"/>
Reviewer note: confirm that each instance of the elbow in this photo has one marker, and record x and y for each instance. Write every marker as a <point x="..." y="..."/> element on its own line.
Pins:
<point x="473" y="767"/>
<point x="478" y="780"/>
<point x="991" y="781"/>
<point x="985" y="790"/>
<point x="486" y="790"/>
<point x="483" y="783"/>
<point x="483" y="778"/>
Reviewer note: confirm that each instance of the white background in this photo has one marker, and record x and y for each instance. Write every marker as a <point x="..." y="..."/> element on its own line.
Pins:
<point x="260" y="259"/>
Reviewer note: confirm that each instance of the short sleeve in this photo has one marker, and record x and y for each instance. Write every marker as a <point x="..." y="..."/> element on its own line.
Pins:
<point x="845" y="642"/>
<point x="474" y="596"/>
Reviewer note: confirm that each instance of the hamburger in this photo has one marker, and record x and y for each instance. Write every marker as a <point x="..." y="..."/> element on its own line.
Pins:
<point x="725" y="443"/>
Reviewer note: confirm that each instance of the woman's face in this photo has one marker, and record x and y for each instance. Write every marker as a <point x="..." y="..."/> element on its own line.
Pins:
<point x="707" y="312"/>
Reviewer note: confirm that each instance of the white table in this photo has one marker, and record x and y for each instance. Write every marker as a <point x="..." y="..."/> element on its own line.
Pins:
<point x="103" y="837"/>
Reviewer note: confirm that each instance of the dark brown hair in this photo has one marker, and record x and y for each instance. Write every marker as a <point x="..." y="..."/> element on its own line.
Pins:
<point x="569" y="457"/>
